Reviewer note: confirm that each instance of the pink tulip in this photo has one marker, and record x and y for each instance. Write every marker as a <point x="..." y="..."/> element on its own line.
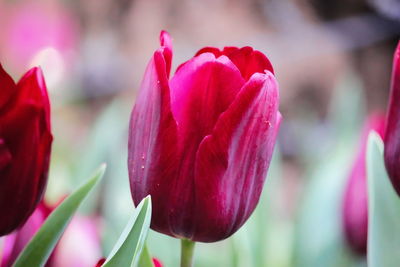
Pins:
<point x="201" y="142"/>
<point x="392" y="134"/>
<point x="355" y="205"/>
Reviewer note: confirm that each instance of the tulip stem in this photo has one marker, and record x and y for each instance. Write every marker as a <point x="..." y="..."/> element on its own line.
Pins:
<point x="187" y="252"/>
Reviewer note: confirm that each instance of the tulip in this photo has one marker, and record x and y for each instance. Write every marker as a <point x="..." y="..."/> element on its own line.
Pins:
<point x="201" y="142"/>
<point x="392" y="132"/>
<point x="25" y="145"/>
<point x="355" y="204"/>
<point x="80" y="236"/>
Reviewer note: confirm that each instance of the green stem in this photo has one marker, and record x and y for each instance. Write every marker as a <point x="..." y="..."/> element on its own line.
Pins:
<point x="187" y="252"/>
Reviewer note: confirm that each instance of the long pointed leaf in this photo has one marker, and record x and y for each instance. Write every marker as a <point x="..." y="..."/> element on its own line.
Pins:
<point x="383" y="209"/>
<point x="127" y="250"/>
<point x="38" y="250"/>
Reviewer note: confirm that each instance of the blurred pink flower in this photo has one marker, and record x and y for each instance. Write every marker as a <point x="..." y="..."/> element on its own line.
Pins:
<point x="78" y="247"/>
<point x="392" y="134"/>
<point x="15" y="242"/>
<point x="29" y="27"/>
<point x="355" y="205"/>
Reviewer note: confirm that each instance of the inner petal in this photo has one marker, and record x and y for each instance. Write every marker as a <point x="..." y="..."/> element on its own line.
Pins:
<point x="247" y="60"/>
<point x="201" y="90"/>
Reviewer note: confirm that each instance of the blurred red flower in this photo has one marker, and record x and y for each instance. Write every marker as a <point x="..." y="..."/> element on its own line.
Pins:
<point x="25" y="145"/>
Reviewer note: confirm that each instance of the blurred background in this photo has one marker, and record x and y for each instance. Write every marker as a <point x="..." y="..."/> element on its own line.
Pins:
<point x="332" y="60"/>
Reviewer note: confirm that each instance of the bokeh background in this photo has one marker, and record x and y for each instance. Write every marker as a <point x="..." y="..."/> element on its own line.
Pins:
<point x="332" y="60"/>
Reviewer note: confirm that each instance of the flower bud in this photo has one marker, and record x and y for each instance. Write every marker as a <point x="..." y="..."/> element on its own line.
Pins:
<point x="355" y="204"/>
<point x="201" y="142"/>
<point x="392" y="133"/>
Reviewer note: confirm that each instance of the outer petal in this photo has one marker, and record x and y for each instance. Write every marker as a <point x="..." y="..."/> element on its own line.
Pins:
<point x="247" y="60"/>
<point x="5" y="155"/>
<point x="32" y="91"/>
<point x="392" y="135"/>
<point x="166" y="44"/>
<point x="7" y="87"/>
<point x="232" y="162"/>
<point x="355" y="204"/>
<point x="152" y="152"/>
<point x="25" y="131"/>
<point x="201" y="90"/>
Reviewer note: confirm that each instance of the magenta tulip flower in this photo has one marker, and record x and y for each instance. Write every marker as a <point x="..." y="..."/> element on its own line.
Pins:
<point x="25" y="144"/>
<point x="201" y="142"/>
<point x="392" y="134"/>
<point x="355" y="204"/>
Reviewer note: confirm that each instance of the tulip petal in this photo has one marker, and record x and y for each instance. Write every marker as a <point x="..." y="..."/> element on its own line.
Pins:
<point x="247" y="60"/>
<point x="153" y="139"/>
<point x="166" y="45"/>
<point x="229" y="175"/>
<point x="200" y="91"/>
<point x="5" y="155"/>
<point x="7" y="86"/>
<point x="32" y="90"/>
<point x="392" y="133"/>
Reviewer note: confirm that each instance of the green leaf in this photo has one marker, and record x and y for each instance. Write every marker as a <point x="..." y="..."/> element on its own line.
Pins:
<point x="127" y="250"/>
<point x="38" y="250"/>
<point x="383" y="210"/>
